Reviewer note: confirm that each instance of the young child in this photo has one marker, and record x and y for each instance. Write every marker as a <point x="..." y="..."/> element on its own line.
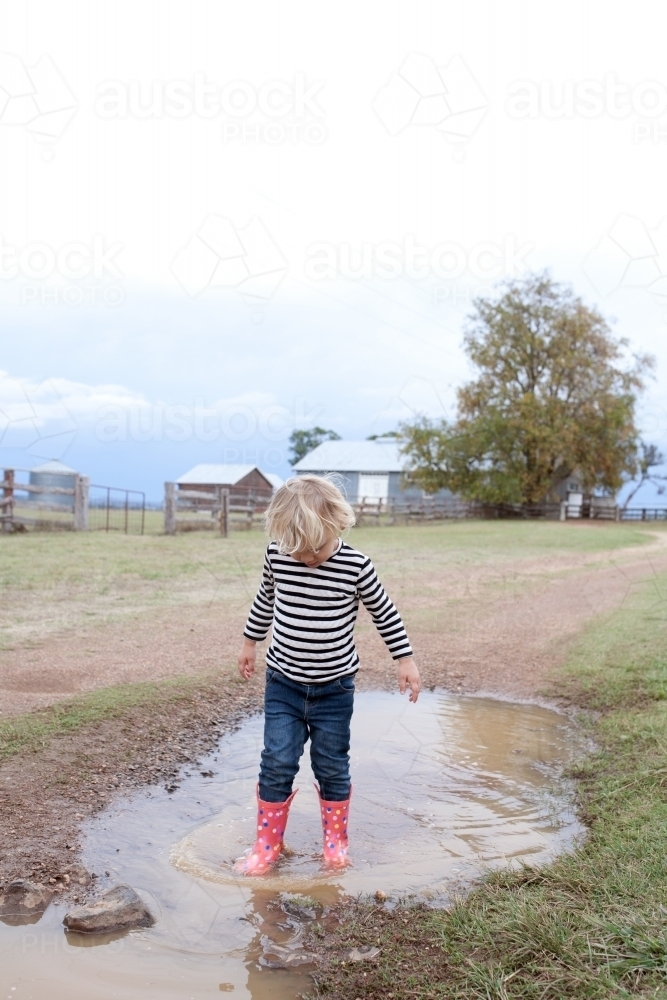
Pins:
<point x="310" y="591"/>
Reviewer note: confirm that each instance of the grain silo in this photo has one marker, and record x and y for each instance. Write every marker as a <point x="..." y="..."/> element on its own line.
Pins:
<point x="55" y="474"/>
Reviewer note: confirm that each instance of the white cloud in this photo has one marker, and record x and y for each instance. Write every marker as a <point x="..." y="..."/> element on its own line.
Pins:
<point x="57" y="399"/>
<point x="43" y="417"/>
<point x="44" y="403"/>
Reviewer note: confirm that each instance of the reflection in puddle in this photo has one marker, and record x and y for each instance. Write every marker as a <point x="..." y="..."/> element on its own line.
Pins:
<point x="441" y="789"/>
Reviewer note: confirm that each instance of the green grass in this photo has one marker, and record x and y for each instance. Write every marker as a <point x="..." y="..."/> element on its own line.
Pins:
<point x="25" y="733"/>
<point x="51" y="581"/>
<point x="593" y="924"/>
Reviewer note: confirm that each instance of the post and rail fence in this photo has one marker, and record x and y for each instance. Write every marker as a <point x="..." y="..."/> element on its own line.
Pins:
<point x="192" y="510"/>
<point x="399" y="510"/>
<point x="81" y="507"/>
<point x="211" y="510"/>
<point x="644" y="514"/>
<point x="92" y="507"/>
<point x="21" y="507"/>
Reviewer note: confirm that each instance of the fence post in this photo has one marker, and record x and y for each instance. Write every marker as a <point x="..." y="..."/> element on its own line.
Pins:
<point x="563" y="510"/>
<point x="617" y="513"/>
<point x="224" y="513"/>
<point x="8" y="505"/>
<point x="81" y="490"/>
<point x="170" y="508"/>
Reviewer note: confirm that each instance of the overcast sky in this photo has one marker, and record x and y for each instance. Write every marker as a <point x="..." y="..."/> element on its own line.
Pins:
<point x="223" y="220"/>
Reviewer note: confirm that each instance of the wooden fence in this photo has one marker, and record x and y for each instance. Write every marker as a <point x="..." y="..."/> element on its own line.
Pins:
<point x="20" y="506"/>
<point x="431" y="509"/>
<point x="613" y="513"/>
<point x="219" y="511"/>
<point x="644" y="514"/>
<point x="84" y="507"/>
<point x="400" y="511"/>
<point x="418" y="511"/>
<point x="190" y="510"/>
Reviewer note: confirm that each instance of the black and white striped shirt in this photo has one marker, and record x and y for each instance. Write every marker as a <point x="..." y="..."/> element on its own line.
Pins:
<point x="313" y="612"/>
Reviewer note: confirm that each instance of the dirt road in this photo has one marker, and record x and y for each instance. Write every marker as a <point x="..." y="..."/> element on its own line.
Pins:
<point x="492" y="628"/>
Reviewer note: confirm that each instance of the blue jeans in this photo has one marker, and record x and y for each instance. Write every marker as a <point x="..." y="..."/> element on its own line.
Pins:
<point x="293" y="712"/>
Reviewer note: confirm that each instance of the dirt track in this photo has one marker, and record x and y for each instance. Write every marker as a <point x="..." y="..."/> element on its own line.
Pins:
<point x="493" y="629"/>
<point x="499" y="635"/>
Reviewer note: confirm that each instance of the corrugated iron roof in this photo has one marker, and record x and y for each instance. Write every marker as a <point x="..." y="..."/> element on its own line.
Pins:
<point x="353" y="456"/>
<point x="218" y="475"/>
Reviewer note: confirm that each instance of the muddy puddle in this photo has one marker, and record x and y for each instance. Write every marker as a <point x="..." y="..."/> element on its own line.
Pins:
<point x="441" y="790"/>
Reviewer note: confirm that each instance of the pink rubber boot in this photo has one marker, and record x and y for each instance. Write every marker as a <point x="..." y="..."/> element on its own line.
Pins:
<point x="335" y="817"/>
<point x="271" y="823"/>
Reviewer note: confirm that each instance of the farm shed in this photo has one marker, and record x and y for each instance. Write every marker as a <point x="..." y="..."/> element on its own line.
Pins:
<point x="242" y="481"/>
<point x="369" y="469"/>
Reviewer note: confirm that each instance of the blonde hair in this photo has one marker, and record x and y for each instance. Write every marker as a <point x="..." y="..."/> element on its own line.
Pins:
<point x="303" y="510"/>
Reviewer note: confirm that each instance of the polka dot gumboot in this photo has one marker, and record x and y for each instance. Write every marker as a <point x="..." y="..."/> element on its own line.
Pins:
<point x="335" y="817"/>
<point x="271" y="823"/>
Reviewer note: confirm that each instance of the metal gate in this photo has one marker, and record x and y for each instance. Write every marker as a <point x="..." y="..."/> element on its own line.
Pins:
<point x="113" y="509"/>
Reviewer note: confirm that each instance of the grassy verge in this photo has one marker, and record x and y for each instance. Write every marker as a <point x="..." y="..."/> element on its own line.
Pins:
<point x="593" y="923"/>
<point x="32" y="731"/>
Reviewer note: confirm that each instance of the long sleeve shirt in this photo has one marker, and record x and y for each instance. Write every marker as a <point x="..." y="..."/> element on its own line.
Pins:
<point x="313" y="612"/>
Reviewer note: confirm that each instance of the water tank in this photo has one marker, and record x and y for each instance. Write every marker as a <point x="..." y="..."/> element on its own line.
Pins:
<point x="53" y="474"/>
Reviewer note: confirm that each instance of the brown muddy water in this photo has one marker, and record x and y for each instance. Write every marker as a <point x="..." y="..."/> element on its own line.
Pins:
<point x="442" y="790"/>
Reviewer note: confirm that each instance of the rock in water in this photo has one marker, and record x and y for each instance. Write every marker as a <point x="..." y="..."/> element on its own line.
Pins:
<point x="23" y="902"/>
<point x="118" y="909"/>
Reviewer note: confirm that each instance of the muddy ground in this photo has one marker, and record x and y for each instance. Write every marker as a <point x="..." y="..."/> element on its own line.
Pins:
<point x="501" y="636"/>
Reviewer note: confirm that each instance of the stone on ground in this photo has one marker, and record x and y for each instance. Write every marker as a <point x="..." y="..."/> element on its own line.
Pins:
<point x="363" y="953"/>
<point x="118" y="909"/>
<point x="79" y="874"/>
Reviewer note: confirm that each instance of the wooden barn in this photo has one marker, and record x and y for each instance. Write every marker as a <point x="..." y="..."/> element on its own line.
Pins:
<point x="244" y="482"/>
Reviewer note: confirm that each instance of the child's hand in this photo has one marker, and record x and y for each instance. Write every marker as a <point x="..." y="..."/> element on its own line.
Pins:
<point x="408" y="676"/>
<point x="247" y="658"/>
